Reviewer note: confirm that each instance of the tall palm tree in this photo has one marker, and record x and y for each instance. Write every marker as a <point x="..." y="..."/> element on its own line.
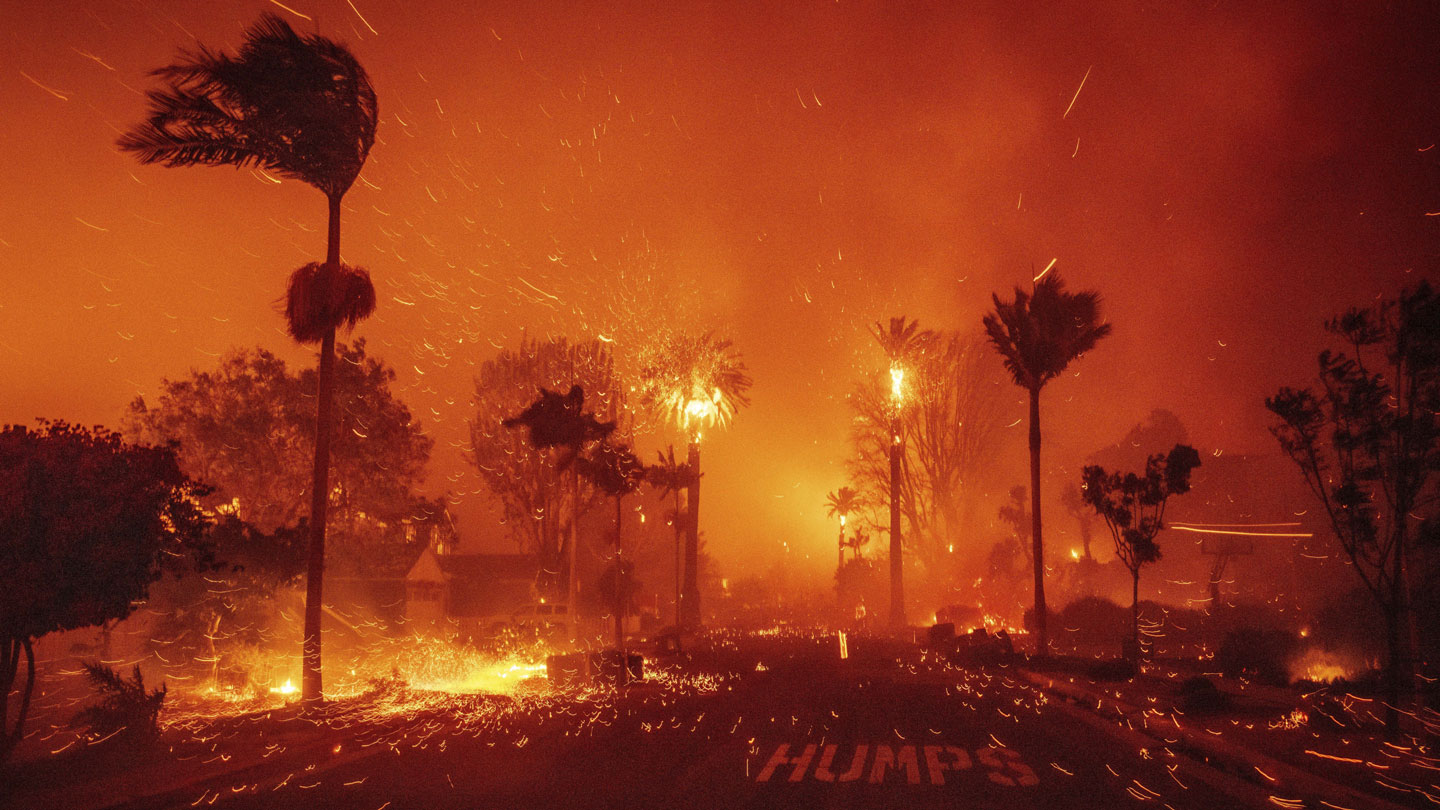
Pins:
<point x="669" y="476"/>
<point x="304" y="108"/>
<point x="1038" y="335"/>
<point x="841" y="503"/>
<point x="903" y="341"/>
<point x="694" y="383"/>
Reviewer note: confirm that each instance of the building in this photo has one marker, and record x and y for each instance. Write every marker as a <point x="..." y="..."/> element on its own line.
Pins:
<point x="473" y="591"/>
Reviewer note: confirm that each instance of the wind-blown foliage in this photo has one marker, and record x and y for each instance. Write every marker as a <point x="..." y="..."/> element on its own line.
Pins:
<point x="1368" y="445"/>
<point x="1041" y="332"/>
<point x="1133" y="508"/>
<point x="694" y="382"/>
<point x="300" y="106"/>
<point x="321" y="298"/>
<point x="1037" y="336"/>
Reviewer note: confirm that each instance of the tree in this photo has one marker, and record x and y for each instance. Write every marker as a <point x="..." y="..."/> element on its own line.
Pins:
<point x="1038" y="335"/>
<point x="950" y="427"/>
<point x="841" y="503"/>
<point x="1368" y="446"/>
<point x="903" y="342"/>
<point x="670" y="477"/>
<point x="87" y="523"/>
<point x="303" y="107"/>
<point x="1133" y="508"/>
<point x="527" y="482"/>
<point x="1074" y="503"/>
<point x="246" y="429"/>
<point x="694" y="383"/>
<point x="614" y="470"/>
<point x="559" y="422"/>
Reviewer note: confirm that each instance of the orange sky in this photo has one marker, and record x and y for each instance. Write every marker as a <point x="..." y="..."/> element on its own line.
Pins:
<point x="784" y="172"/>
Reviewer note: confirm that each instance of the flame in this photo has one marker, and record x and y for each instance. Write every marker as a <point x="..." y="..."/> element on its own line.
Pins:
<point x="897" y="382"/>
<point x="287" y="688"/>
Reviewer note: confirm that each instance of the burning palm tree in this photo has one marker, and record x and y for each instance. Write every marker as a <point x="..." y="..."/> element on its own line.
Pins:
<point x="695" y="383"/>
<point x="304" y="108"/>
<point x="903" y="341"/>
<point x="1038" y="335"/>
<point x="841" y="503"/>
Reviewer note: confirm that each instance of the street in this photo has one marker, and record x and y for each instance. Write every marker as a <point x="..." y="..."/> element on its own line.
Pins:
<point x="788" y="724"/>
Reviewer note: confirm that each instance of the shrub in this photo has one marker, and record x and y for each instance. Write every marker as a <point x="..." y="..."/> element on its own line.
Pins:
<point x="1199" y="695"/>
<point x="126" y="710"/>
<point x="1260" y="654"/>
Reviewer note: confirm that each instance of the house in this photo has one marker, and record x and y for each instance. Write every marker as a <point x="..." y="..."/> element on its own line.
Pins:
<point x="470" y="590"/>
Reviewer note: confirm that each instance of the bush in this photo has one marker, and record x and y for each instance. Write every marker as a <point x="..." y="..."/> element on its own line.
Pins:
<point x="1199" y="695"/>
<point x="1263" y="655"/>
<point x="1094" y="620"/>
<point x="1117" y="669"/>
<point x="126" y="711"/>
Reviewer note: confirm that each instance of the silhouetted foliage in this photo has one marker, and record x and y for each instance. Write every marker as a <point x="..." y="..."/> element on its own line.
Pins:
<point x="127" y="712"/>
<point x="321" y="298"/>
<point x="87" y="523"/>
<point x="1262" y="654"/>
<point x="248" y="429"/>
<point x="1133" y="508"/>
<point x="1038" y="334"/>
<point x="1368" y="445"/>
<point x="526" y="481"/>
<point x="300" y="106"/>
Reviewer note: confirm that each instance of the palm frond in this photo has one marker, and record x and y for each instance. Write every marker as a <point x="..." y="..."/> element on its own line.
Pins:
<point x="1039" y="333"/>
<point x="301" y="106"/>
<point x="322" y="297"/>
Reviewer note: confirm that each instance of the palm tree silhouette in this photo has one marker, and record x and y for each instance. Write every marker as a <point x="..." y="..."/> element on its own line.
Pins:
<point x="841" y="503"/>
<point x="669" y="476"/>
<point x="304" y="108"/>
<point x="1038" y="335"/>
<point x="694" y="383"/>
<point x="614" y="470"/>
<point x="903" y="341"/>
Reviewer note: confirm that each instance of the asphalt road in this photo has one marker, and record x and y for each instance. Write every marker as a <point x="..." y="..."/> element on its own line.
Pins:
<point x="790" y="726"/>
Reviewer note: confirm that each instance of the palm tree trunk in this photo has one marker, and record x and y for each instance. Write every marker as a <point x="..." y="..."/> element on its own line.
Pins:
<point x="320" y="486"/>
<point x="1135" y="612"/>
<point x="690" y="595"/>
<point x="620" y="595"/>
<point x="897" y="569"/>
<point x="1042" y="640"/>
<point x="572" y="582"/>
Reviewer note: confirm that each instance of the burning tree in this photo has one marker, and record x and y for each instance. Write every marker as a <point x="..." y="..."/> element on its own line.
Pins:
<point x="303" y="107"/>
<point x="1133" y="508"/>
<point x="949" y="427"/>
<point x="1037" y="335"/>
<point x="527" y="481"/>
<point x="694" y="383"/>
<point x="87" y="523"/>
<point x="1368" y="445"/>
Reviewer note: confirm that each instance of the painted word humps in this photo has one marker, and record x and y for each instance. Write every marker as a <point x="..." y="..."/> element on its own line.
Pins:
<point x="1003" y="766"/>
